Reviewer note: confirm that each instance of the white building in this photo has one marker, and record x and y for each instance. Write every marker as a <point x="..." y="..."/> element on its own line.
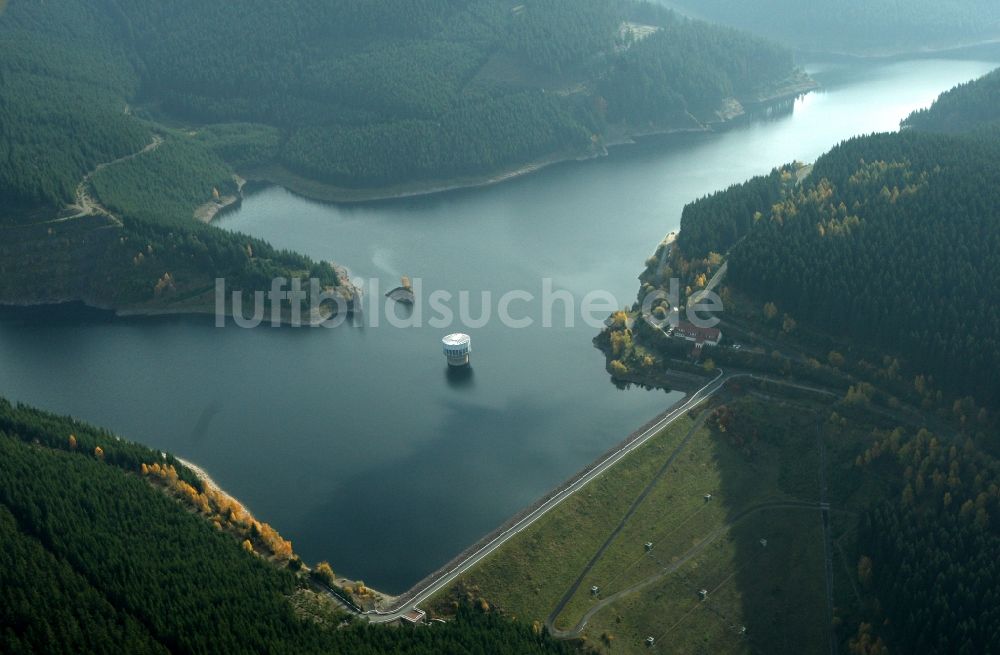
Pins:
<point x="457" y="348"/>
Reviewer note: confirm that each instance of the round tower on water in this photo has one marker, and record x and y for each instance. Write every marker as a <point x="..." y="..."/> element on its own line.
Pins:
<point x="457" y="348"/>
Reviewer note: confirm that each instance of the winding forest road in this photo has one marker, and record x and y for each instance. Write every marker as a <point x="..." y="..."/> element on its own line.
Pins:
<point x="84" y="204"/>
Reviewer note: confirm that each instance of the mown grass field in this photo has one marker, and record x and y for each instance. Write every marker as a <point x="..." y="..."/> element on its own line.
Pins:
<point x="764" y="477"/>
<point x="675" y="517"/>
<point x="776" y="592"/>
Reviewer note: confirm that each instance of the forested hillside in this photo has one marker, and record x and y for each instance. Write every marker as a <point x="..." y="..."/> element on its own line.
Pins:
<point x="96" y="559"/>
<point x="966" y="107"/>
<point x="62" y="105"/>
<point x="687" y="67"/>
<point x="361" y="93"/>
<point x="890" y="242"/>
<point x="67" y="77"/>
<point x="861" y="26"/>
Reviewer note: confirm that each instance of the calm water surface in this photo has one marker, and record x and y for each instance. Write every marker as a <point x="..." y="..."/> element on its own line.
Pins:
<point x="354" y="442"/>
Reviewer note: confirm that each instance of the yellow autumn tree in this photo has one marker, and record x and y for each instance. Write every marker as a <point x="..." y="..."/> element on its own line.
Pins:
<point x="616" y="343"/>
<point x="98" y="452"/>
<point x="72" y="442"/>
<point x="280" y="548"/>
<point x="788" y="325"/>
<point x="247" y="546"/>
<point x="621" y="343"/>
<point x="324" y="572"/>
<point x="164" y="284"/>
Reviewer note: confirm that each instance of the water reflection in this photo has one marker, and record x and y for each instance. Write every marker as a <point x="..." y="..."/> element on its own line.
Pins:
<point x="201" y="428"/>
<point x="770" y="112"/>
<point x="459" y="377"/>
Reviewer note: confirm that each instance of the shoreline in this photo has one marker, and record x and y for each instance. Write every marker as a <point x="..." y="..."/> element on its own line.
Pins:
<point x="209" y="211"/>
<point x="211" y="484"/>
<point x="277" y="175"/>
<point x="151" y="312"/>
<point x="902" y="53"/>
<point x="353" y="299"/>
<point x="207" y="480"/>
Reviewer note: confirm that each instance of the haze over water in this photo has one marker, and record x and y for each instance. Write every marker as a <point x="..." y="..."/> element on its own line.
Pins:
<point x="353" y="442"/>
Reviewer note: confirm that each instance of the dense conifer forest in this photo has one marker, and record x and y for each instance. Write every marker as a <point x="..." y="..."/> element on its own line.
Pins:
<point x="889" y="241"/>
<point x="968" y="106"/>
